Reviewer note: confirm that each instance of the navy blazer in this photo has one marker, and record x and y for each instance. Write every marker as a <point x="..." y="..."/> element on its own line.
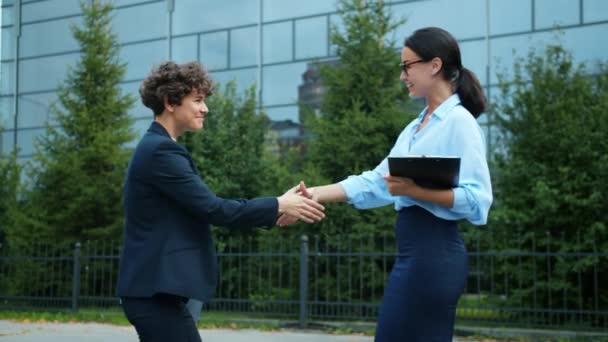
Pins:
<point x="169" y="210"/>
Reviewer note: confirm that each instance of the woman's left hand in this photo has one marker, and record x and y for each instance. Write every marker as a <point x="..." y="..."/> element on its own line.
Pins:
<point x="399" y="186"/>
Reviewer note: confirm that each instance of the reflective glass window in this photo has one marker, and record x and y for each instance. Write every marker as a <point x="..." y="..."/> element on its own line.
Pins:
<point x="7" y="77"/>
<point x="244" y="78"/>
<point x="206" y="15"/>
<point x="44" y="74"/>
<point x="6" y="112"/>
<point x="142" y="22"/>
<point x="281" y="83"/>
<point x="8" y="43"/>
<point x="140" y="58"/>
<point x="35" y="109"/>
<point x="7" y="139"/>
<point x="47" y="37"/>
<point x="214" y="50"/>
<point x="281" y="113"/>
<point x="278" y="42"/>
<point x="41" y="10"/>
<point x="510" y="16"/>
<point x="470" y="21"/>
<point x="26" y="139"/>
<point x="311" y="37"/>
<point x="550" y="13"/>
<point x="244" y="45"/>
<point x="282" y="9"/>
<point x="8" y="14"/>
<point x="183" y="49"/>
<point x="595" y="10"/>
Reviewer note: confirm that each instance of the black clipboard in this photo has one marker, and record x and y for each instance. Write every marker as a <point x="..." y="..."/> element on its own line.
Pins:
<point x="427" y="171"/>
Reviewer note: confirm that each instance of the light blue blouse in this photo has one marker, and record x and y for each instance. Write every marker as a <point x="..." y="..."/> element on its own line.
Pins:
<point x="450" y="131"/>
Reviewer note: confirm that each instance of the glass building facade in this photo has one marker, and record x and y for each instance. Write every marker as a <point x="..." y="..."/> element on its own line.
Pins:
<point x="270" y="43"/>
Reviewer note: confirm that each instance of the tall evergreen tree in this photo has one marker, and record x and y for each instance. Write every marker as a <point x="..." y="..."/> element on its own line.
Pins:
<point x="550" y="187"/>
<point x="79" y="166"/>
<point x="362" y="112"/>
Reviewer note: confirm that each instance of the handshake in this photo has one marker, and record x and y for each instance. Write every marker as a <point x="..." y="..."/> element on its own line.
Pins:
<point x="299" y="203"/>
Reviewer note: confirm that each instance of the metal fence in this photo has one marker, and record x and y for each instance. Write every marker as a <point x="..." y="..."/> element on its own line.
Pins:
<point x="312" y="280"/>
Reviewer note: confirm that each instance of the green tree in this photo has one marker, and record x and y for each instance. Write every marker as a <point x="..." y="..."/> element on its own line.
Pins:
<point x="362" y="112"/>
<point x="78" y="167"/>
<point x="550" y="187"/>
<point x="10" y="172"/>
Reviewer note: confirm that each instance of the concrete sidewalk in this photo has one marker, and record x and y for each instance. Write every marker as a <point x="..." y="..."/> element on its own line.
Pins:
<point x="95" y="332"/>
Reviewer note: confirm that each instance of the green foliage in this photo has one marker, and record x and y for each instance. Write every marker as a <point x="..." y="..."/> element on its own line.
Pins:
<point x="362" y="112"/>
<point x="79" y="166"/>
<point x="10" y="172"/>
<point x="550" y="186"/>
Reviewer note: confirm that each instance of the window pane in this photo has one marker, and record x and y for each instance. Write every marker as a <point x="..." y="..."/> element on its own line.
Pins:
<point x="143" y="22"/>
<point x="138" y="110"/>
<point x="278" y="42"/>
<point x="44" y="74"/>
<point x="205" y="15"/>
<point x="6" y="141"/>
<point x="281" y="9"/>
<point x="26" y="138"/>
<point x="48" y="37"/>
<point x="244" y="78"/>
<point x="311" y="37"/>
<point x="7" y="78"/>
<point x="140" y="58"/>
<point x="595" y="10"/>
<point x="283" y="113"/>
<point x="510" y="16"/>
<point x="550" y="13"/>
<point x="214" y="50"/>
<point x="183" y="49"/>
<point x="244" y="47"/>
<point x="8" y="14"/>
<point x="8" y="43"/>
<point x="470" y="21"/>
<point x="48" y="9"/>
<point x="281" y="83"/>
<point x="6" y="112"/>
<point x="35" y="110"/>
<point x="474" y="58"/>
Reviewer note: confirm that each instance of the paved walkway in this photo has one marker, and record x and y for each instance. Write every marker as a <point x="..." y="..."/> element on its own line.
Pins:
<point x="94" y="332"/>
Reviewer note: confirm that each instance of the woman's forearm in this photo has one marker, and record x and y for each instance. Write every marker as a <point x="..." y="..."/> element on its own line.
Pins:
<point x="329" y="193"/>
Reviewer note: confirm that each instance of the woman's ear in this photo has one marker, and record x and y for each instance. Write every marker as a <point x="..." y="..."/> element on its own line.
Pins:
<point x="436" y="65"/>
<point x="168" y="107"/>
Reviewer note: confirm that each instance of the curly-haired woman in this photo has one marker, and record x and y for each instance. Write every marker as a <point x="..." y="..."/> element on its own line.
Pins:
<point x="168" y="254"/>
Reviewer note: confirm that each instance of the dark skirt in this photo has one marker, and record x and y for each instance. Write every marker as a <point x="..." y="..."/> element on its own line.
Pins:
<point x="426" y="281"/>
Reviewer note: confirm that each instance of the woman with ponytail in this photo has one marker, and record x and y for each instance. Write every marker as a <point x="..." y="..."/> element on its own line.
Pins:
<point x="429" y="274"/>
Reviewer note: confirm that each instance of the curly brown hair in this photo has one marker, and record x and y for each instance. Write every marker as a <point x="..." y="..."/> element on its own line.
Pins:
<point x="174" y="82"/>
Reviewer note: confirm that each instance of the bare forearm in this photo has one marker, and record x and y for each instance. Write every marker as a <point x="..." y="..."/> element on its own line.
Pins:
<point x="329" y="193"/>
<point x="444" y="198"/>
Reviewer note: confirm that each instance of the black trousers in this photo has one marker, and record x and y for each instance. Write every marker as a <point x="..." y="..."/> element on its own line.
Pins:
<point x="161" y="318"/>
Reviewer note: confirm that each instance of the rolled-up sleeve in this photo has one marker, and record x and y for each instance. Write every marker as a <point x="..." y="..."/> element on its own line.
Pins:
<point x="473" y="196"/>
<point x="368" y="190"/>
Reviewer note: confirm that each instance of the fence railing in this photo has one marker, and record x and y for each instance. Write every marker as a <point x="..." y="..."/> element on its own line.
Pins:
<point x="312" y="280"/>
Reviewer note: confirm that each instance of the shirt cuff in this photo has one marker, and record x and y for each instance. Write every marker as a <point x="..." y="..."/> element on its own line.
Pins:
<point x="462" y="204"/>
<point x="349" y="185"/>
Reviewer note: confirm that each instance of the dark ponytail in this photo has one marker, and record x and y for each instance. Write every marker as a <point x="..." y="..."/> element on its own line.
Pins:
<point x="470" y="92"/>
<point x="431" y="42"/>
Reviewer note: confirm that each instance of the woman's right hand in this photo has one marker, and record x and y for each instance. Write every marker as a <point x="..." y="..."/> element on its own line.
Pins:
<point x="294" y="205"/>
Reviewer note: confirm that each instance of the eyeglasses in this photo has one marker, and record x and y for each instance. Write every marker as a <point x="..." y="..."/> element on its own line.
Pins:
<point x="405" y="66"/>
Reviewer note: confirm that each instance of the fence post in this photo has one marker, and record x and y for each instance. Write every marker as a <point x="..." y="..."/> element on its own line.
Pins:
<point x="76" y="278"/>
<point x="303" y="280"/>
